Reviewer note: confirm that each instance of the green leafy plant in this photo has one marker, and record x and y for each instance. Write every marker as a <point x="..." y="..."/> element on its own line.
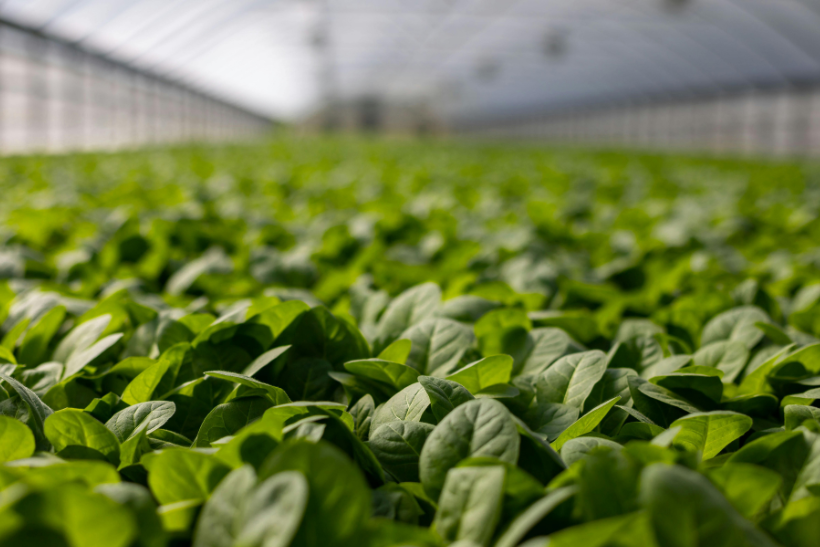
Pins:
<point x="355" y="343"/>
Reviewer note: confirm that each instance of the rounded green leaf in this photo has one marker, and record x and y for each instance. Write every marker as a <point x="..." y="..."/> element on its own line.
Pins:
<point x="735" y="324"/>
<point x="797" y="414"/>
<point x="74" y="428"/>
<point x="710" y="432"/>
<point x="585" y="423"/>
<point x="503" y="331"/>
<point x="571" y="379"/>
<point x="748" y="487"/>
<point x="149" y="384"/>
<point x="444" y="395"/>
<point x="483" y="427"/>
<point x="81" y="337"/>
<point x="277" y="395"/>
<point x="264" y="360"/>
<point x="228" y="418"/>
<point x="34" y="348"/>
<point x="137" y="499"/>
<point x="81" y="517"/>
<point x="398" y="445"/>
<point x="534" y="514"/>
<point x="125" y="422"/>
<point x="659" y="404"/>
<point x="38" y="411"/>
<point x="701" y="389"/>
<point x="181" y="474"/>
<point x="270" y="516"/>
<point x="408" y="405"/>
<point x="16" y="440"/>
<point x="397" y="352"/>
<point x="396" y="375"/>
<point x="437" y="345"/>
<point x="580" y="324"/>
<point x="575" y="449"/>
<point x="78" y="360"/>
<point x="729" y="356"/>
<point x="216" y="525"/>
<point x="674" y="495"/>
<point x="550" y="419"/>
<point x="409" y="308"/>
<point x="542" y="348"/>
<point x="91" y="473"/>
<point x="484" y="373"/>
<point x="339" y="502"/>
<point x="470" y="504"/>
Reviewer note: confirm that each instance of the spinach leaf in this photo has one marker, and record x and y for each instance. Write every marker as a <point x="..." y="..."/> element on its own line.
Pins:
<point x="483" y="427"/>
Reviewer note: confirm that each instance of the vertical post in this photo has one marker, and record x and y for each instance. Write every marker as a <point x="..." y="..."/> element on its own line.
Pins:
<point x="166" y="116"/>
<point x="179" y="105"/>
<point x="135" y="108"/>
<point x="203" y="120"/>
<point x="123" y="110"/>
<point x="147" y="110"/>
<point x="206" y="117"/>
<point x="769" y="117"/>
<point x="780" y="122"/>
<point x="748" y="123"/>
<point x="70" y="99"/>
<point x="156" y="138"/>
<point x="156" y="113"/>
<point x="93" y="105"/>
<point x="715" y="120"/>
<point x="814" y="124"/>
<point x="35" y="113"/>
<point x="142" y="110"/>
<point x="798" y="123"/>
<point x="107" y="84"/>
<point x="3" y="89"/>
<point x="87" y="121"/>
<point x="185" y="100"/>
<point x="673" y="130"/>
<point x="120" y="106"/>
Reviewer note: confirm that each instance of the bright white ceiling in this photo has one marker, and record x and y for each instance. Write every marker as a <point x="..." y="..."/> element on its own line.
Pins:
<point x="470" y="58"/>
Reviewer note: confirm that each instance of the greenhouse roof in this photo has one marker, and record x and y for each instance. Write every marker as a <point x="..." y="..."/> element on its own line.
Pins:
<point x="466" y="57"/>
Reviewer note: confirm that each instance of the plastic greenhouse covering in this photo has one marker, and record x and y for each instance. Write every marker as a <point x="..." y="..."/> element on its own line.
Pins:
<point x="472" y="57"/>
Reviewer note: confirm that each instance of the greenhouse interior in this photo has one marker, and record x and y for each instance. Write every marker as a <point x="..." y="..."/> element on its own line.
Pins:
<point x="373" y="273"/>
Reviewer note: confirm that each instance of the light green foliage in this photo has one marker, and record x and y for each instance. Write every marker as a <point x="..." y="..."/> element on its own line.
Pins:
<point x="72" y="428"/>
<point x="470" y="504"/>
<point x="334" y="342"/>
<point x="483" y="374"/>
<point x="571" y="379"/>
<point x="397" y="445"/>
<point x="710" y="432"/>
<point x="585" y="423"/>
<point x="483" y="427"/>
<point x="125" y="422"/>
<point x="16" y="440"/>
<point x="182" y="475"/>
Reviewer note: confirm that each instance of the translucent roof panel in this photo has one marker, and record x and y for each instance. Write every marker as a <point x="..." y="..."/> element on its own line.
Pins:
<point x="468" y="58"/>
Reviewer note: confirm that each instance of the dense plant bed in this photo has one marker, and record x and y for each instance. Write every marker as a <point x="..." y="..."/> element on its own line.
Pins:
<point x="333" y="343"/>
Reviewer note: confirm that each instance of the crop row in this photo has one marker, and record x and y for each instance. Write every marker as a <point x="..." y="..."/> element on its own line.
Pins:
<point x="349" y="343"/>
